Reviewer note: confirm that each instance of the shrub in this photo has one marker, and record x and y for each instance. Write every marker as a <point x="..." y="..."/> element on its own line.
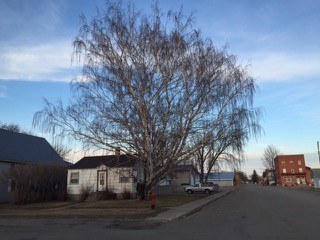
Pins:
<point x="85" y="191"/>
<point x="126" y="195"/>
<point x="107" y="194"/>
<point x="31" y="183"/>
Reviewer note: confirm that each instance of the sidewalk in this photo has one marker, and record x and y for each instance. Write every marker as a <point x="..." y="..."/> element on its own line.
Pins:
<point x="189" y="208"/>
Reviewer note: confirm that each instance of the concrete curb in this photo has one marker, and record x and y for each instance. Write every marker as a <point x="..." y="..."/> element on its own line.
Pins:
<point x="188" y="208"/>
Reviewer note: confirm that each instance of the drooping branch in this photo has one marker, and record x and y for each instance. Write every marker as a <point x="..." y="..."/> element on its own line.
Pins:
<point x="152" y="85"/>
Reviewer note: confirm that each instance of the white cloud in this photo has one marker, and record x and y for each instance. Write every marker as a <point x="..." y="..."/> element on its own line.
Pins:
<point x="43" y="62"/>
<point x="284" y="67"/>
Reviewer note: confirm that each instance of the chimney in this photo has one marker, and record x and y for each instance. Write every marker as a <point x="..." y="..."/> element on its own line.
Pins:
<point x="117" y="151"/>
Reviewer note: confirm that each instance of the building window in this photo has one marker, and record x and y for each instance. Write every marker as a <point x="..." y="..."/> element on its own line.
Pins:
<point x="291" y="163"/>
<point x="299" y="163"/>
<point x="124" y="176"/>
<point x="300" y="169"/>
<point x="74" y="178"/>
<point x="288" y="179"/>
<point x="283" y="163"/>
<point x="292" y="171"/>
<point x="284" y="170"/>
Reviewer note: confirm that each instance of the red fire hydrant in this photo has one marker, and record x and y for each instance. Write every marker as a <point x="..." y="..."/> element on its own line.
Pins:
<point x="153" y="201"/>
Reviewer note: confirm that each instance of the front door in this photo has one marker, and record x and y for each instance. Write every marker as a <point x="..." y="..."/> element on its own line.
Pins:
<point x="102" y="180"/>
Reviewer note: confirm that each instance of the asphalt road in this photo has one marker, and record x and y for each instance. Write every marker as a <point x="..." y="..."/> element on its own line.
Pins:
<point x="251" y="212"/>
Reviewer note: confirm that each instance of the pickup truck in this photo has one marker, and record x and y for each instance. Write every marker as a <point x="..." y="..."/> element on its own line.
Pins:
<point x="206" y="188"/>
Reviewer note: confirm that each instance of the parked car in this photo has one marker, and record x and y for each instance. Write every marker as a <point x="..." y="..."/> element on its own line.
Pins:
<point x="205" y="188"/>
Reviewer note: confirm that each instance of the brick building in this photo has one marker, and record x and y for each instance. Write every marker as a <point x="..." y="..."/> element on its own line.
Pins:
<point x="291" y="170"/>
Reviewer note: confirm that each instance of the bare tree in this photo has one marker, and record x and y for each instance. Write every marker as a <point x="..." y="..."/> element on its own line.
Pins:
<point x="150" y="85"/>
<point x="62" y="149"/>
<point x="14" y="127"/>
<point x="269" y="154"/>
<point x="227" y="141"/>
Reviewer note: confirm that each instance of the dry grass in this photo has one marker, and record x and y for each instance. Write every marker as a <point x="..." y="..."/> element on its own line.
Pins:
<point x="99" y="209"/>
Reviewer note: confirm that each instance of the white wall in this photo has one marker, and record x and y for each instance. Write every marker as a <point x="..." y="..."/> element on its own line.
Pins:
<point x="223" y="183"/>
<point x="114" y="181"/>
<point x="87" y="178"/>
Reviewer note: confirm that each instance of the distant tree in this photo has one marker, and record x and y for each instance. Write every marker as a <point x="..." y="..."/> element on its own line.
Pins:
<point x="154" y="86"/>
<point x="14" y="127"/>
<point x="264" y="173"/>
<point x="62" y="149"/>
<point x="243" y="176"/>
<point x="269" y="154"/>
<point x="254" y="177"/>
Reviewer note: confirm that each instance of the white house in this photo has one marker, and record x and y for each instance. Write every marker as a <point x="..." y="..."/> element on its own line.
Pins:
<point x="116" y="173"/>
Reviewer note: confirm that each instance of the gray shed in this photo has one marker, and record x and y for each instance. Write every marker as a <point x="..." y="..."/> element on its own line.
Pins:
<point x="315" y="176"/>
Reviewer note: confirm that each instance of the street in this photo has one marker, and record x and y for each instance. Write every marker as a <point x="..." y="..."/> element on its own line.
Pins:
<point x="250" y="212"/>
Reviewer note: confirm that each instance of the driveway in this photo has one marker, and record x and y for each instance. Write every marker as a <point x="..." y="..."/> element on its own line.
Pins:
<point x="251" y="212"/>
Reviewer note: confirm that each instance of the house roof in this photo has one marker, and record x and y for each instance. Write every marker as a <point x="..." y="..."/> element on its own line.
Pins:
<point x="108" y="160"/>
<point x="315" y="173"/>
<point x="221" y="176"/>
<point x="23" y="148"/>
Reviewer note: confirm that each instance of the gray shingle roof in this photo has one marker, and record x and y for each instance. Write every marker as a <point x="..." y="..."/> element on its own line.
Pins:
<point x="23" y="148"/>
<point x="107" y="160"/>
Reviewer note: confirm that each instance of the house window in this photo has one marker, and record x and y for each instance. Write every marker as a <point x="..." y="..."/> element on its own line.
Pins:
<point x="292" y="170"/>
<point x="291" y="163"/>
<point x="300" y="169"/>
<point x="284" y="170"/>
<point x="168" y="182"/>
<point x="74" y="178"/>
<point x="124" y="176"/>
<point x="283" y="163"/>
<point x="135" y="173"/>
<point x="299" y="163"/>
<point x="101" y="178"/>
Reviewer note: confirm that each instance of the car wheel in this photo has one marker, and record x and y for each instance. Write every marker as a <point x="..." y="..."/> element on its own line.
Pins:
<point x="207" y="191"/>
<point x="190" y="191"/>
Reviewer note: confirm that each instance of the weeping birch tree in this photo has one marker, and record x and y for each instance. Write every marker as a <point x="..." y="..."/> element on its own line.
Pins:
<point x="150" y="84"/>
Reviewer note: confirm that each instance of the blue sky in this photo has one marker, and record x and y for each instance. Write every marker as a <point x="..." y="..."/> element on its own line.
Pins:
<point x="279" y="40"/>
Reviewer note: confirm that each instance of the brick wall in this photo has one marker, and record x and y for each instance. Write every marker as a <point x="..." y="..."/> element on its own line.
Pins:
<point x="291" y="170"/>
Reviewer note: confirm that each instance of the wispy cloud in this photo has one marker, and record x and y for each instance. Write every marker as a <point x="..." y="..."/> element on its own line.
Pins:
<point x="51" y="61"/>
<point x="273" y="67"/>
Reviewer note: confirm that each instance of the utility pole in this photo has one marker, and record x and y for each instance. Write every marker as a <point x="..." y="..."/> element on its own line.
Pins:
<point x="318" y="151"/>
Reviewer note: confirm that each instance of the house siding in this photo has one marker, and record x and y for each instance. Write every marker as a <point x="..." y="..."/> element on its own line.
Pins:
<point x="114" y="183"/>
<point x="87" y="178"/>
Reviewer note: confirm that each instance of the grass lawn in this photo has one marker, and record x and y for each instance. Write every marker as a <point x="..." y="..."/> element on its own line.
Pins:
<point x="100" y="209"/>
